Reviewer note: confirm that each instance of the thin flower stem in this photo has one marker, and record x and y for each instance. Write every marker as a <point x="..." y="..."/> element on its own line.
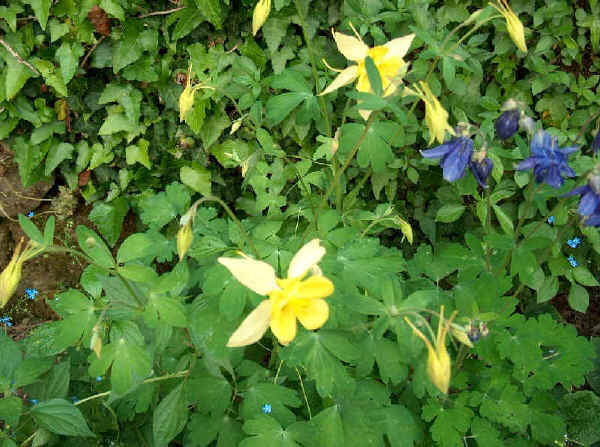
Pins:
<point x="304" y="394"/>
<point x="488" y="229"/>
<point x="585" y="126"/>
<point x="277" y="373"/>
<point x="176" y="375"/>
<point x="313" y="65"/>
<point x="338" y="174"/>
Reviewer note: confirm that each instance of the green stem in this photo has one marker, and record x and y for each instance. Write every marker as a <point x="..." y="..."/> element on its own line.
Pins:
<point x="313" y="65"/>
<point x="338" y="174"/>
<point x="488" y="229"/>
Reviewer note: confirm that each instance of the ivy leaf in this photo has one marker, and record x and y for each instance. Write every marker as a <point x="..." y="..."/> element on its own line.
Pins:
<point x="128" y="49"/>
<point x="138" y="153"/>
<point x="68" y="56"/>
<point x="57" y="154"/>
<point x="61" y="417"/>
<point x="17" y="75"/>
<point x="212" y="11"/>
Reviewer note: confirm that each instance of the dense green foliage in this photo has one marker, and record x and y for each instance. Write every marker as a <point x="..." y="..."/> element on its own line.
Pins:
<point x="138" y="356"/>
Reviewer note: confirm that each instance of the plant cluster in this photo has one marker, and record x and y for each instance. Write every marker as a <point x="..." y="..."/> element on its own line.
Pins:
<point x="277" y="157"/>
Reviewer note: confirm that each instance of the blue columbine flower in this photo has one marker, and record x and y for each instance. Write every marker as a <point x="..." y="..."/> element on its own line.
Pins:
<point x="481" y="167"/>
<point x="31" y="293"/>
<point x="572" y="261"/>
<point x="266" y="409"/>
<point x="30" y="214"/>
<point x="589" y="205"/>
<point x="455" y="156"/>
<point x="551" y="220"/>
<point x="548" y="160"/>
<point x="574" y="243"/>
<point x="508" y="124"/>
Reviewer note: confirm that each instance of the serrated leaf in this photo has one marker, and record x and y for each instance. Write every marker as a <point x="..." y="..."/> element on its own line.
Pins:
<point x="279" y="107"/>
<point x="61" y="417"/>
<point x="212" y="11"/>
<point x="56" y="155"/>
<point x="108" y="218"/>
<point x="170" y="416"/>
<point x="197" y="178"/>
<point x="450" y="212"/>
<point x="41" y="9"/>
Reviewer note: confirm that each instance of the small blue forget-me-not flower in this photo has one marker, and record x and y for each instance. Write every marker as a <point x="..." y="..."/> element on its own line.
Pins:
<point x="574" y="243"/>
<point x="30" y="214"/>
<point x="33" y="401"/>
<point x="6" y="321"/>
<point x="266" y="409"/>
<point x="31" y="293"/>
<point x="548" y="160"/>
<point x="572" y="261"/>
<point x="98" y="378"/>
<point x="551" y="220"/>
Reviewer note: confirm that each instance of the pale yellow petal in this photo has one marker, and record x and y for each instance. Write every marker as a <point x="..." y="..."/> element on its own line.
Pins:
<point x="258" y="276"/>
<point x="399" y="47"/>
<point x="365" y="114"/>
<point x="312" y="313"/>
<point x="310" y="254"/>
<point x="260" y="15"/>
<point x="315" y="287"/>
<point x="345" y="77"/>
<point x="351" y="47"/>
<point x="253" y="327"/>
<point x="283" y="325"/>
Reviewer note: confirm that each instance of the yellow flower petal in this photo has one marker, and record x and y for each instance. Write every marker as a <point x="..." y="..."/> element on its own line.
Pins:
<point x="399" y="47"/>
<point x="352" y="48"/>
<point x="253" y="327"/>
<point x="258" y="276"/>
<point x="309" y="255"/>
<point x="345" y="77"/>
<point x="260" y="15"/>
<point x="312" y="313"/>
<point x="283" y="325"/>
<point x="513" y="24"/>
<point x="315" y="287"/>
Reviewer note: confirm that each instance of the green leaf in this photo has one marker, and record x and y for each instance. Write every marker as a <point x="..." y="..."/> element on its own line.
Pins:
<point x="450" y="424"/>
<point x="187" y="21"/>
<point x="56" y="155"/>
<point x="30" y="369"/>
<point x="279" y="397"/>
<point x="108" y="218"/>
<point x="548" y="289"/>
<point x="11" y="408"/>
<point x="30" y="229"/>
<point x="68" y="56"/>
<point x="579" y="298"/>
<point x="94" y="247"/>
<point x="330" y="430"/>
<point x="266" y="431"/>
<point x="581" y="410"/>
<point x="374" y="77"/>
<point x="584" y="277"/>
<point x="279" y="107"/>
<point x="138" y="273"/>
<point x="17" y="75"/>
<point x="132" y="364"/>
<point x="389" y="360"/>
<point x="52" y="77"/>
<point x="399" y="424"/>
<point x="138" y="153"/>
<point x="197" y="178"/>
<point x="211" y="393"/>
<point x="450" y="212"/>
<point x="169" y="310"/>
<point x="61" y="417"/>
<point x="170" y="416"/>
<point x="505" y="221"/>
<point x="128" y="49"/>
<point x="113" y="8"/>
<point x="212" y="11"/>
<point x="45" y="131"/>
<point x="41" y="9"/>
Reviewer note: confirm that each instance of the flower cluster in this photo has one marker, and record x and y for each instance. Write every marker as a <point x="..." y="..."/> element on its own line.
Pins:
<point x="290" y="299"/>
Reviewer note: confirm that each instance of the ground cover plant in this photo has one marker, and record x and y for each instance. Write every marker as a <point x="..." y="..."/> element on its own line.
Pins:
<point x="311" y="223"/>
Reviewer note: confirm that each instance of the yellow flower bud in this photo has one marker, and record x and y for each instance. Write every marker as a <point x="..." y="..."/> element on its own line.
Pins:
<point x="96" y="341"/>
<point x="259" y="17"/>
<point x="184" y="239"/>
<point x="438" y="360"/>
<point x="513" y="24"/>
<point x="186" y="99"/>
<point x="11" y="275"/>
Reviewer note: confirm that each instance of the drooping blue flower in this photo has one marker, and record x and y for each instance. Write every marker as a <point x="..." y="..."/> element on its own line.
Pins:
<point x="589" y="204"/>
<point x="481" y="170"/>
<point x="548" y="160"/>
<point x="508" y="124"/>
<point x="596" y="143"/>
<point x="266" y="409"/>
<point x="30" y="214"/>
<point x="31" y="293"/>
<point x="574" y="243"/>
<point x="551" y="220"/>
<point x="455" y="156"/>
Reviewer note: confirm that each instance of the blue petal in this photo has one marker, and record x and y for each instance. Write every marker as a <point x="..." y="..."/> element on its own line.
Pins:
<point x="581" y="190"/>
<point x="569" y="150"/>
<point x="553" y="177"/>
<point x="541" y="140"/>
<point x="588" y="203"/>
<point x="528" y="163"/>
<point x="455" y="163"/>
<point x="439" y="151"/>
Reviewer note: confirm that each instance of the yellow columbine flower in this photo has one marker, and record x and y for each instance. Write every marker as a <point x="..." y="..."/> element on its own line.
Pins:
<point x="387" y="59"/>
<point x="289" y="299"/>
<point x="260" y="15"/>
<point x="11" y="275"/>
<point x="186" y="99"/>
<point x="513" y="24"/>
<point x="438" y="360"/>
<point x="436" y="116"/>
